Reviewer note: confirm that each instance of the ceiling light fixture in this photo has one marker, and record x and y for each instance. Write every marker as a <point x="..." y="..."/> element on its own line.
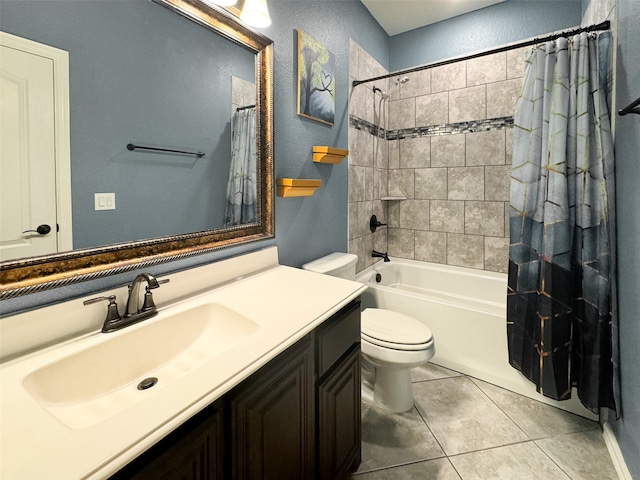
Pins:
<point x="255" y="13"/>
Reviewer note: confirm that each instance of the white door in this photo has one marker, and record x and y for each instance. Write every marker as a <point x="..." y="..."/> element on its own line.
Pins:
<point x="30" y="150"/>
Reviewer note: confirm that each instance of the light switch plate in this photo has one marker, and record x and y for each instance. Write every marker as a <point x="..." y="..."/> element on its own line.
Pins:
<point x="105" y="201"/>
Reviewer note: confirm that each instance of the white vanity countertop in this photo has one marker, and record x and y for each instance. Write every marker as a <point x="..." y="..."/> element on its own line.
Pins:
<point x="287" y="303"/>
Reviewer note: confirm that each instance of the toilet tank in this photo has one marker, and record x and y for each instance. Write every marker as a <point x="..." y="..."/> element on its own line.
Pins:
<point x="337" y="264"/>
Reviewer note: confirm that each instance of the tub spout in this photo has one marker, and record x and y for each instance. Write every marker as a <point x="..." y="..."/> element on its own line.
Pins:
<point x="384" y="256"/>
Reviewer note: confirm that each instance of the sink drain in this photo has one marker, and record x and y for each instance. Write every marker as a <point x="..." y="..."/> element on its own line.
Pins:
<point x="147" y="383"/>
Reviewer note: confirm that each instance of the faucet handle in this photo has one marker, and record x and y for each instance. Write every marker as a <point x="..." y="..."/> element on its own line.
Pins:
<point x="112" y="308"/>
<point x="152" y="282"/>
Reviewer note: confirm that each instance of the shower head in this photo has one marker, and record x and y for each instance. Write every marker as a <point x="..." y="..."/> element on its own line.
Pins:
<point x="396" y="82"/>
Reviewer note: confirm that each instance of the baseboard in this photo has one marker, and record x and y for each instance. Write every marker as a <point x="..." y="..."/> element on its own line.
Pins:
<point x="614" y="450"/>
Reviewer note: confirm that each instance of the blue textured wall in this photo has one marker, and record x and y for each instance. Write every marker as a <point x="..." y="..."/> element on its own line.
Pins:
<point x="627" y="429"/>
<point x="496" y="25"/>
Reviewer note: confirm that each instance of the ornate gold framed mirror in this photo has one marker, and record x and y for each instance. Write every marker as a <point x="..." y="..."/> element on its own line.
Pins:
<point x="23" y="276"/>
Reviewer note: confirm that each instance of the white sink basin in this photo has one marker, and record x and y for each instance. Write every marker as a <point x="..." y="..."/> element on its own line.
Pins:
<point x="90" y="385"/>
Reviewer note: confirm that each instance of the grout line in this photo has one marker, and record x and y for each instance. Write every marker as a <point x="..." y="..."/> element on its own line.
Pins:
<point x="403" y="464"/>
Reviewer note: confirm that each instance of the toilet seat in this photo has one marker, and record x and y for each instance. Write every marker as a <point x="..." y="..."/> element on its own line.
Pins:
<point x="395" y="330"/>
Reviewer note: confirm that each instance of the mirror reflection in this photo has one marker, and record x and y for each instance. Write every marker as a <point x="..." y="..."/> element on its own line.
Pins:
<point x="141" y="74"/>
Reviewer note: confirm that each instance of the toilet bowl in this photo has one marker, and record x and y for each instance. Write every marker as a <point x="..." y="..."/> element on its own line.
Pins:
<point x="392" y="343"/>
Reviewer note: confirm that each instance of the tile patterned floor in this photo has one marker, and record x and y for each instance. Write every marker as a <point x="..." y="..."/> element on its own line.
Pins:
<point x="464" y="429"/>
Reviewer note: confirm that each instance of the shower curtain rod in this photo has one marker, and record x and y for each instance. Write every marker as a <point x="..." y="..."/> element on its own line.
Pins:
<point x="524" y="43"/>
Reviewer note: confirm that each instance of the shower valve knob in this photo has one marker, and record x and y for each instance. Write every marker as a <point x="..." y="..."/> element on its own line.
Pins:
<point x="374" y="223"/>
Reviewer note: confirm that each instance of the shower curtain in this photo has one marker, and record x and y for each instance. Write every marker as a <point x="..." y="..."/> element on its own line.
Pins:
<point x="561" y="301"/>
<point x="240" y="207"/>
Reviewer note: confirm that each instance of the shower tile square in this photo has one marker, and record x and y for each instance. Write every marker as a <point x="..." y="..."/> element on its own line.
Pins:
<point x="465" y="183"/>
<point x="496" y="254"/>
<point x="395" y="438"/>
<point x="414" y="214"/>
<point x="484" y="218"/>
<point x="461" y="418"/>
<point x="401" y="182"/>
<point x="362" y="247"/>
<point x="381" y="152"/>
<point x="415" y="152"/>
<point x="431" y="371"/>
<point x="381" y="182"/>
<point x="447" y="216"/>
<point x="402" y="113"/>
<point x="401" y="242"/>
<point x="369" y="185"/>
<point x="485" y="148"/>
<point x="419" y="84"/>
<point x="365" y="210"/>
<point x="583" y="455"/>
<point x="437" y="469"/>
<point x="449" y="77"/>
<point x="357" y="179"/>
<point x="537" y="419"/>
<point x="393" y="214"/>
<point x="448" y="151"/>
<point x="502" y="98"/>
<point x="432" y="109"/>
<point x="353" y="220"/>
<point x="394" y="154"/>
<point x="468" y="104"/>
<point x="515" y="61"/>
<point x="497" y="183"/>
<point x="378" y="69"/>
<point x="365" y="64"/>
<point x="508" y="146"/>
<point x="431" y="246"/>
<point x="360" y="147"/>
<point x="380" y="240"/>
<point x="360" y="103"/>
<point x="431" y="183"/>
<point x="465" y="250"/>
<point x="487" y="69"/>
<point x="522" y="461"/>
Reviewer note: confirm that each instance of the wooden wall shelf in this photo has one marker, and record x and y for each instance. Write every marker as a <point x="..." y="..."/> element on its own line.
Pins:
<point x="297" y="187"/>
<point x="323" y="154"/>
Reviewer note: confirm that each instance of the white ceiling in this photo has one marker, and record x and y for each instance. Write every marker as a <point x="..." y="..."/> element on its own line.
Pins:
<point x="398" y="16"/>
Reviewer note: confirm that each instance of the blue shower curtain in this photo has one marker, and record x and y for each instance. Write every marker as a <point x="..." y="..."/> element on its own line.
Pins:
<point x="561" y="302"/>
<point x="240" y="207"/>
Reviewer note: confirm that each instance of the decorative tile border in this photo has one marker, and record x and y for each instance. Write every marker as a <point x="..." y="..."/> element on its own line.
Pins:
<point x="433" y="130"/>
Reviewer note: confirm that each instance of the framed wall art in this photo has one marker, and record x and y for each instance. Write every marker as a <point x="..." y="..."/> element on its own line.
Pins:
<point x="316" y="80"/>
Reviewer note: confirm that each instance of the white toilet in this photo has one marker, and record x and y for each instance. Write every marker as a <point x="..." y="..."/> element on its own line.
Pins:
<point x="392" y="343"/>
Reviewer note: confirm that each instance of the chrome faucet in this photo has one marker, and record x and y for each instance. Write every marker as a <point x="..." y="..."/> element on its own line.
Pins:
<point x="134" y="311"/>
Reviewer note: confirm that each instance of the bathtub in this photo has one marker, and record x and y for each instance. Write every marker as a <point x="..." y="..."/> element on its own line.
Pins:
<point x="466" y="312"/>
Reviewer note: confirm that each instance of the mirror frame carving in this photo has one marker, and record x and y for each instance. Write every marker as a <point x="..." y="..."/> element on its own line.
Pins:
<point x="34" y="274"/>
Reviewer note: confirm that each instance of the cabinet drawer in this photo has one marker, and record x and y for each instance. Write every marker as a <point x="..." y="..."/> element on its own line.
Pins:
<point x="337" y="335"/>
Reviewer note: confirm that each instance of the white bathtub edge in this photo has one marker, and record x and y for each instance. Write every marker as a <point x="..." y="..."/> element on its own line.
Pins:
<point x="614" y="451"/>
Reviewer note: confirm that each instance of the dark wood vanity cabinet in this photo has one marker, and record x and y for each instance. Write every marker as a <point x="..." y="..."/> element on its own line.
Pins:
<point x="194" y="451"/>
<point x="273" y="419"/>
<point x="298" y="417"/>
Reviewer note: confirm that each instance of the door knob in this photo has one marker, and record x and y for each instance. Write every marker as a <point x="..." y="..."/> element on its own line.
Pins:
<point x="41" y="230"/>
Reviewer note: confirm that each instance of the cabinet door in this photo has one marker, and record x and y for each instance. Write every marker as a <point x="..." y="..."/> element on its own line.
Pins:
<point x="272" y="419"/>
<point x="339" y="433"/>
<point x="193" y="452"/>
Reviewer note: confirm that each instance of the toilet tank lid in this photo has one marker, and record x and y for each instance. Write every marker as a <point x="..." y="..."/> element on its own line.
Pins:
<point x="331" y="263"/>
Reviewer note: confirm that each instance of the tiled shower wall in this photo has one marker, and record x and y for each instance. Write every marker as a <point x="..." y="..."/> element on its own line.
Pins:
<point x="449" y="135"/>
<point x="368" y="158"/>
